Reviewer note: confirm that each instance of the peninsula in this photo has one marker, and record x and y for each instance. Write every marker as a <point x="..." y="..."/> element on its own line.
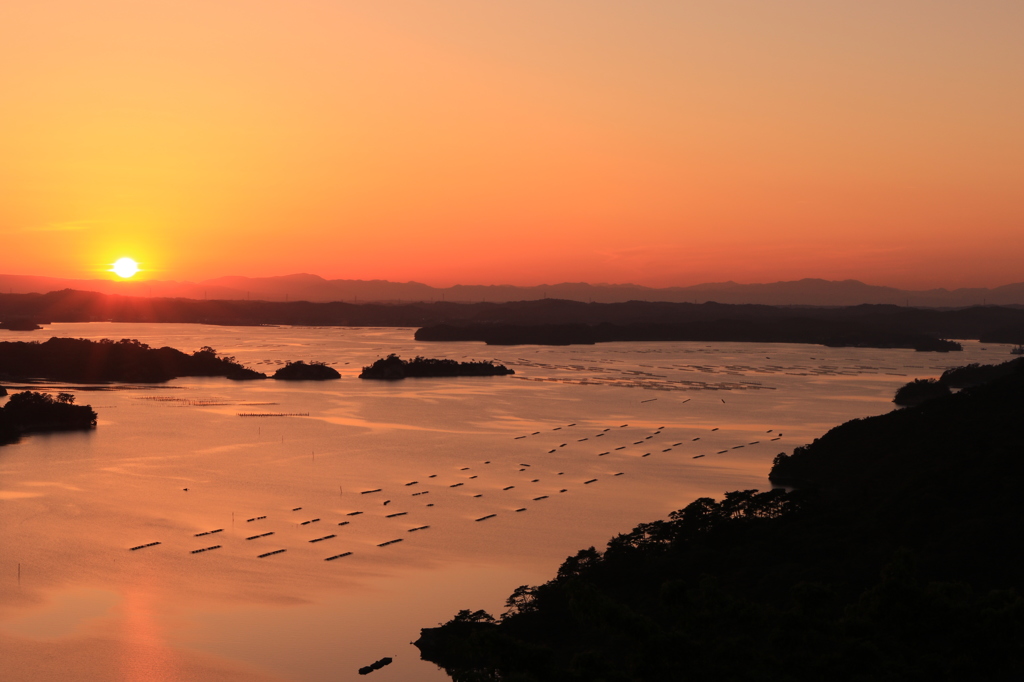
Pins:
<point x="893" y="559"/>
<point x="127" y="360"/>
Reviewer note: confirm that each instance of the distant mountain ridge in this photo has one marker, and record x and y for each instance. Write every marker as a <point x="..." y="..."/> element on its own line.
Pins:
<point x="313" y="288"/>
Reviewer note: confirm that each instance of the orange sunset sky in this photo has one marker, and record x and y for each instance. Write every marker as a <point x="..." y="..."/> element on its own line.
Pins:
<point x="659" y="142"/>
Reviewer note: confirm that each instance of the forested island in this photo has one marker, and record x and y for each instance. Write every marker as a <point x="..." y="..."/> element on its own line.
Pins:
<point x="31" y="412"/>
<point x="894" y="559"/>
<point x="393" y="367"/>
<point x="826" y="333"/>
<point x="300" y="371"/>
<point x="127" y="360"/>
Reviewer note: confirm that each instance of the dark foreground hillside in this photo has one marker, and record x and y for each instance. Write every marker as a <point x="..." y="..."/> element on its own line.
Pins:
<point x="897" y="559"/>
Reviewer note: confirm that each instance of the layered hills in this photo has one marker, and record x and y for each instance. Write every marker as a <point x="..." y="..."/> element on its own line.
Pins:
<point x="307" y="287"/>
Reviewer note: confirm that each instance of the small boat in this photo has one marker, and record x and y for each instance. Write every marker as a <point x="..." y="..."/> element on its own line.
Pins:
<point x="1018" y="349"/>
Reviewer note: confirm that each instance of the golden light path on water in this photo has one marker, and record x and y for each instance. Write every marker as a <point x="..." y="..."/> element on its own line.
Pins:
<point x="653" y="426"/>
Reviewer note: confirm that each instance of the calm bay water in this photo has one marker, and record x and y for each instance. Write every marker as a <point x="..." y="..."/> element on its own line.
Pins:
<point x="657" y="425"/>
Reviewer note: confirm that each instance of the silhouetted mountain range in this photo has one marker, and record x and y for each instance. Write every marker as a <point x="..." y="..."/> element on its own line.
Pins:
<point x="305" y="287"/>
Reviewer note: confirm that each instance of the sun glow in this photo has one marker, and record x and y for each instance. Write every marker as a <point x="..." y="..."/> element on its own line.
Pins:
<point x="125" y="267"/>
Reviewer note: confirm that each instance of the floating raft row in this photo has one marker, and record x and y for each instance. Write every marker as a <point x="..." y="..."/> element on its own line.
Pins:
<point x="209" y="532"/>
<point x="508" y="487"/>
<point x="698" y="456"/>
<point x="343" y="523"/>
<point x="306" y="523"/>
<point x="484" y="518"/>
<point x="590" y="481"/>
<point x="464" y="469"/>
<point x="149" y="544"/>
<point x="411" y="483"/>
<point x="646" y="454"/>
<point x="326" y="537"/>
<point x="262" y="535"/>
<point x="667" y="450"/>
<point x="367" y="492"/>
<point x="418" y="528"/>
<point x="273" y="414"/>
<point x="456" y="485"/>
<point x="204" y="549"/>
<point x="542" y="497"/>
<point x="276" y="551"/>
<point x="391" y="516"/>
<point x="389" y="542"/>
<point x="337" y="556"/>
<point x="521" y="509"/>
<point x="621" y="448"/>
<point x="257" y="518"/>
<point x="424" y="492"/>
<point x="353" y="514"/>
<point x="619" y="474"/>
<point x="297" y="509"/>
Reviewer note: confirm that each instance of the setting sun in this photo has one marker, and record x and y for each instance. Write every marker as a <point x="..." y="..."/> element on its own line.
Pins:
<point x="125" y="267"/>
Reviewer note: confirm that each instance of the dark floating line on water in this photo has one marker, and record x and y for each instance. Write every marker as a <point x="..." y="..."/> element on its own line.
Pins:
<point x="336" y="556"/>
<point x="204" y="549"/>
<point x="639" y="442"/>
<point x="698" y="456"/>
<point x="297" y="509"/>
<point x="276" y="551"/>
<point x="508" y="487"/>
<point x="550" y="451"/>
<point x="432" y="476"/>
<point x="557" y="428"/>
<point x="484" y="518"/>
<point x="326" y="537"/>
<point x="472" y="477"/>
<point x="542" y="497"/>
<point x="411" y="483"/>
<point x="624" y="426"/>
<point x="646" y="454"/>
<point x="354" y="513"/>
<point x="570" y="424"/>
<point x="367" y="492"/>
<point x="256" y="518"/>
<point x="422" y="492"/>
<point x="273" y="414"/>
<point x="343" y="523"/>
<point x="590" y="481"/>
<point x="464" y="469"/>
<point x="754" y="442"/>
<point x="456" y="485"/>
<point x="619" y="474"/>
<point x="536" y="480"/>
<point x="667" y="450"/>
<point x="599" y="435"/>
<point x="523" y="465"/>
<point x="535" y="433"/>
<point x="602" y="454"/>
<point x="306" y="523"/>
<point x="478" y="495"/>
<point x="209" y="532"/>
<point x="521" y="509"/>
<point x="581" y="440"/>
<point x="389" y="542"/>
<point x="621" y="448"/>
<point x="150" y="544"/>
<point x="715" y="429"/>
<point x="721" y="452"/>
<point x="651" y="400"/>
<point x="391" y="516"/>
<point x="562" y="490"/>
<point x="411" y="530"/>
<point x="518" y="437"/>
<point x="262" y="535"/>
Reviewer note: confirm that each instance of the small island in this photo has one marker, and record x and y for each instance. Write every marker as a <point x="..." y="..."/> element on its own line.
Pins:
<point x="31" y="412"/>
<point x="393" y="368"/>
<point x="300" y="371"/>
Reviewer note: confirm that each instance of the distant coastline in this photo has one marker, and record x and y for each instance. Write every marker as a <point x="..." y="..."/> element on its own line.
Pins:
<point x="866" y="325"/>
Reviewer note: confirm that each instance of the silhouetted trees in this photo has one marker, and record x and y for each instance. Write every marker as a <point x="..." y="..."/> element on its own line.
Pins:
<point x="32" y="412"/>
<point x="300" y="371"/>
<point x="127" y="360"/>
<point x="894" y="560"/>
<point x="393" y="367"/>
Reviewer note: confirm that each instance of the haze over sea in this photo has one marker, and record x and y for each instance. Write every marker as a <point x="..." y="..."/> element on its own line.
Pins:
<point x="583" y="442"/>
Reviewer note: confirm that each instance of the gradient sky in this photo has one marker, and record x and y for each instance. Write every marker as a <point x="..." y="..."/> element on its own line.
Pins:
<point x="659" y="142"/>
